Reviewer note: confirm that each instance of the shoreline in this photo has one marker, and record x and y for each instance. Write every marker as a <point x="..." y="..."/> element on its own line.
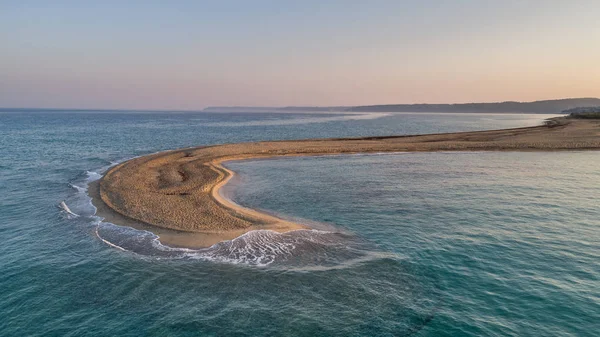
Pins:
<point x="176" y="194"/>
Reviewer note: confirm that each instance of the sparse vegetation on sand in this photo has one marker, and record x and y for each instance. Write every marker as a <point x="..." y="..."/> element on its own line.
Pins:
<point x="584" y="113"/>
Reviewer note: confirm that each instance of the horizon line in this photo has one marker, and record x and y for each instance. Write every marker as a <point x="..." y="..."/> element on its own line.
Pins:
<point x="281" y="107"/>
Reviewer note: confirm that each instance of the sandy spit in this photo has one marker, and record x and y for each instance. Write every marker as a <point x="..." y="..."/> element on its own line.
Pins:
<point x="175" y="194"/>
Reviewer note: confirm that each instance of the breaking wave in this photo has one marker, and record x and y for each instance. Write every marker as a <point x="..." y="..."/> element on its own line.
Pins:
<point x="295" y="249"/>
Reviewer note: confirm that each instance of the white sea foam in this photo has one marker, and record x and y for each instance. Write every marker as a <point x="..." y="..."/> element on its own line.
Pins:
<point x="81" y="203"/>
<point x="79" y="188"/>
<point x="260" y="248"/>
<point x="93" y="176"/>
<point x="66" y="208"/>
<point x="298" y="249"/>
<point x="108" y="242"/>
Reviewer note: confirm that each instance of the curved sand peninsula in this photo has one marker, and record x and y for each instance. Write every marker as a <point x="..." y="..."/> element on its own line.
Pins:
<point x="175" y="193"/>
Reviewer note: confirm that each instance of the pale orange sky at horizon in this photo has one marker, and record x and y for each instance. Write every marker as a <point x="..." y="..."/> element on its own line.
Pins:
<point x="193" y="55"/>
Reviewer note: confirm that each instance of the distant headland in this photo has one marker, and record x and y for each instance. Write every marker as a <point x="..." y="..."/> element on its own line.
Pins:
<point x="556" y="106"/>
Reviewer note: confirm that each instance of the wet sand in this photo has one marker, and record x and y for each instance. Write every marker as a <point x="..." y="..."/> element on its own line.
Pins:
<point x="175" y="194"/>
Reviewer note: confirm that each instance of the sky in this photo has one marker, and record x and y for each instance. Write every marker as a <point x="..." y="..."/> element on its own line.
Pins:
<point x="188" y="55"/>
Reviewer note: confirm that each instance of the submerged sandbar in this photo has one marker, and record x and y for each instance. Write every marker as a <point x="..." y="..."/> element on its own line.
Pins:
<point x="175" y="194"/>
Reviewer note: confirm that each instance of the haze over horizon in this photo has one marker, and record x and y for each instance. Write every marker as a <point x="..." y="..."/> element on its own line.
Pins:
<point x="191" y="55"/>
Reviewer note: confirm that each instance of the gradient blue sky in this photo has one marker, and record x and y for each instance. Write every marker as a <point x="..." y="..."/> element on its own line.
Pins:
<point x="192" y="54"/>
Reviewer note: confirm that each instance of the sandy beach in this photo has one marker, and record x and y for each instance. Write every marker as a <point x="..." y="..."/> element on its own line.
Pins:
<point x="175" y="194"/>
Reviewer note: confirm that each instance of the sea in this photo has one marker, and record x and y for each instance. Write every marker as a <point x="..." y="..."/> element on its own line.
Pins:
<point x="402" y="244"/>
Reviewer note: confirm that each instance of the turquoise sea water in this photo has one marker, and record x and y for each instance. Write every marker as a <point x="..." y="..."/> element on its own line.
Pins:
<point x="423" y="244"/>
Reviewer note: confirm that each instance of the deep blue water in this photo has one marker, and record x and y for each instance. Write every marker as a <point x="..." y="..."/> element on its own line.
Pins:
<point x="431" y="244"/>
